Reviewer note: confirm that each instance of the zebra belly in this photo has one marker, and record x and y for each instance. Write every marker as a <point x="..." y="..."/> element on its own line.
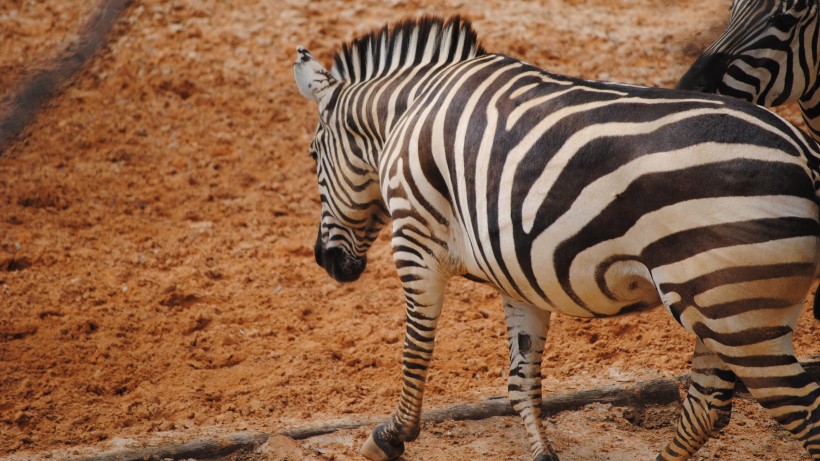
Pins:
<point x="599" y="288"/>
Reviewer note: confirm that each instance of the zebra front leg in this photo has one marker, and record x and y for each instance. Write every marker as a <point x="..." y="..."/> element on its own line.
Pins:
<point x="527" y="332"/>
<point x="424" y="300"/>
<point x="707" y="407"/>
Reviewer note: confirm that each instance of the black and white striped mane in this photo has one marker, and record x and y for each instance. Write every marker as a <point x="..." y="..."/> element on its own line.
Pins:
<point x="410" y="42"/>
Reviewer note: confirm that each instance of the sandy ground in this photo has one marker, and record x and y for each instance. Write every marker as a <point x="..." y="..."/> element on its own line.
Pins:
<point x="156" y="229"/>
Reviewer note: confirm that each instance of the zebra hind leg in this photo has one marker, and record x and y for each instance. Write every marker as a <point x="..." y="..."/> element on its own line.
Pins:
<point x="777" y="380"/>
<point x="527" y="332"/>
<point x="707" y="407"/>
<point x="758" y="349"/>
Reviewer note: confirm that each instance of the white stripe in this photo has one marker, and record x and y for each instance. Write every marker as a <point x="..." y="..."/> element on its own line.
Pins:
<point x="411" y="48"/>
<point x="397" y="44"/>
<point x="525" y="106"/>
<point x="431" y="46"/>
<point x="370" y="65"/>
<point x="382" y="54"/>
<point x="777" y="252"/>
<point x="446" y="42"/>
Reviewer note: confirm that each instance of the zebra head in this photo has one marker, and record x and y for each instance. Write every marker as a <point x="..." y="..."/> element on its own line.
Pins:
<point x="768" y="53"/>
<point x="352" y="212"/>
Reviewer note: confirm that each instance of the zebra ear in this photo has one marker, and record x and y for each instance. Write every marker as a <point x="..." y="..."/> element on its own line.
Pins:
<point x="311" y="78"/>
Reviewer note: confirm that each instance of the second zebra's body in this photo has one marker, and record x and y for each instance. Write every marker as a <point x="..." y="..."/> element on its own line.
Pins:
<point x="769" y="54"/>
<point x="574" y="197"/>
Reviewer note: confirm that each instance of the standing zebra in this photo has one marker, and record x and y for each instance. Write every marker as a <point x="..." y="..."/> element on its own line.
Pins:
<point x="769" y="54"/>
<point x="583" y="198"/>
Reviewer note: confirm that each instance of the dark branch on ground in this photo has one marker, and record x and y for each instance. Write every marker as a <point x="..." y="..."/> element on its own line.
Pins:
<point x="639" y="395"/>
<point x="36" y="87"/>
<point x="198" y="449"/>
<point x="650" y="392"/>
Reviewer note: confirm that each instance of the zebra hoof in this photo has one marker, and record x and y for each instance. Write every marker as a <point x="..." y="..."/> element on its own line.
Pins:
<point x="551" y="456"/>
<point x="375" y="448"/>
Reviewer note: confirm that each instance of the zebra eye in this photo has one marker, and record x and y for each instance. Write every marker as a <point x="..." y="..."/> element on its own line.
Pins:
<point x="314" y="155"/>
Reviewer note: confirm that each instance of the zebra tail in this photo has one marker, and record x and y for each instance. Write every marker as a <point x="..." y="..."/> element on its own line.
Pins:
<point x="37" y="86"/>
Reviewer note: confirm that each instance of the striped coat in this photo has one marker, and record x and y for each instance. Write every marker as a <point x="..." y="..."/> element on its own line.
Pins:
<point x="568" y="196"/>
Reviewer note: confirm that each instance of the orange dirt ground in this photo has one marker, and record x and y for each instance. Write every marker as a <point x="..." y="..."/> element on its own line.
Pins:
<point x="156" y="229"/>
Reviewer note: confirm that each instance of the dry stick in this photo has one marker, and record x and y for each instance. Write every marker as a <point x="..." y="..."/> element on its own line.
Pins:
<point x="198" y="449"/>
<point x="651" y="392"/>
<point x="37" y="87"/>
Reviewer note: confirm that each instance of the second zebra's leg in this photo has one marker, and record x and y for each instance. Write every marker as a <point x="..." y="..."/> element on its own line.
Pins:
<point x="810" y="107"/>
<point x="424" y="296"/>
<point x="527" y="332"/>
<point x="707" y="407"/>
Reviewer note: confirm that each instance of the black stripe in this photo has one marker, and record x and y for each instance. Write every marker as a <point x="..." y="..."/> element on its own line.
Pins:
<point x="681" y="245"/>
<point x="727" y="376"/>
<point x="738" y="274"/>
<point x="795" y="382"/>
<point x="748" y="337"/>
<point x="759" y="361"/>
<point x="724" y="310"/>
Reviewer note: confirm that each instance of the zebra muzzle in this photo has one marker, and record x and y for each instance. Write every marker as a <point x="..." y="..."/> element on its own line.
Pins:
<point x="706" y="73"/>
<point x="339" y="264"/>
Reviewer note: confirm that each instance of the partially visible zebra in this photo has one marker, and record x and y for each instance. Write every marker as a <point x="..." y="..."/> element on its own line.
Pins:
<point x="768" y="54"/>
<point x="584" y="198"/>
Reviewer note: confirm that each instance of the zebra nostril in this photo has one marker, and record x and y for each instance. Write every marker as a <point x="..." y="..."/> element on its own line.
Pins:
<point x="358" y="265"/>
<point x="342" y="266"/>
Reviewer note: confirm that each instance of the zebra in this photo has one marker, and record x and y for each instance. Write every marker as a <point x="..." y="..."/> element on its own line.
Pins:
<point x="567" y="196"/>
<point x="769" y="54"/>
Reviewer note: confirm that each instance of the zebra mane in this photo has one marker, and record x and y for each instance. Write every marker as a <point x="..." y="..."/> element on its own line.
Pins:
<point x="410" y="42"/>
